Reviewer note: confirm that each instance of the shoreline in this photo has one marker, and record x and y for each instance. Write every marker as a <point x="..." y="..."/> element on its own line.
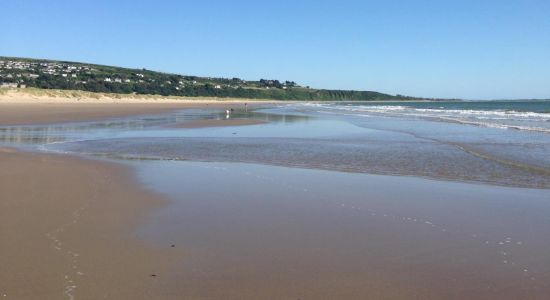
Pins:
<point x="73" y="228"/>
<point x="35" y="106"/>
<point x="68" y="223"/>
<point x="50" y="113"/>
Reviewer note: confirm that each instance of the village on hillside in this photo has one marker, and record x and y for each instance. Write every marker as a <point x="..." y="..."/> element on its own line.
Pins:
<point x="16" y="73"/>
<point x="20" y="73"/>
<point x="48" y="74"/>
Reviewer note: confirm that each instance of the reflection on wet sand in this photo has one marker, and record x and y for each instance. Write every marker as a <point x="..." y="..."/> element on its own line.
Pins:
<point x="276" y="233"/>
<point x="45" y="134"/>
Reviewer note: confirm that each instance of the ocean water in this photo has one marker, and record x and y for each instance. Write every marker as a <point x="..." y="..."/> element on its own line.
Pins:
<point x="409" y="139"/>
<point x="527" y="115"/>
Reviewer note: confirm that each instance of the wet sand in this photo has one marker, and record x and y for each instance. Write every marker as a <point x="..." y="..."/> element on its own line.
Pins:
<point x="67" y="230"/>
<point x="43" y="113"/>
<point x="67" y="224"/>
<point x="255" y="232"/>
<point x="218" y="123"/>
<point x="265" y="232"/>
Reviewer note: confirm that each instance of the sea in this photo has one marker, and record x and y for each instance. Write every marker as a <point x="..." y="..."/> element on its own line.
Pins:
<point x="530" y="115"/>
<point x="493" y="142"/>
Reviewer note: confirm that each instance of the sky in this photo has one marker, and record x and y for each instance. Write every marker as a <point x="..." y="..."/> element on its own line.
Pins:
<point x="483" y="49"/>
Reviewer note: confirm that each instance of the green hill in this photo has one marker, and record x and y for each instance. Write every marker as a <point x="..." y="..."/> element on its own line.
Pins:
<point x="49" y="74"/>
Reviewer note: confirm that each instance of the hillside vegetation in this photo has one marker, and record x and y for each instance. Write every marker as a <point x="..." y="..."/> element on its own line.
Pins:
<point x="48" y="74"/>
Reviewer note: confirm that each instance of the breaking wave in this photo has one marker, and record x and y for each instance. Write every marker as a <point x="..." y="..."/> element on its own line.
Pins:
<point x="501" y="118"/>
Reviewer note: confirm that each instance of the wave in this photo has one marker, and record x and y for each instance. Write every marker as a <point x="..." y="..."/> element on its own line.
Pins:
<point x="499" y="125"/>
<point x="503" y="119"/>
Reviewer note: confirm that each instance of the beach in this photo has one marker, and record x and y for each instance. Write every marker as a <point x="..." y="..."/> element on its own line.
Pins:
<point x="67" y="224"/>
<point x="267" y="232"/>
<point x="67" y="220"/>
<point x="32" y="106"/>
<point x="271" y="150"/>
<point x="180" y="201"/>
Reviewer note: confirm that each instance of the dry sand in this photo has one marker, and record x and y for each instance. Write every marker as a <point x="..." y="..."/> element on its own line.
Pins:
<point x="31" y="106"/>
<point x="32" y="95"/>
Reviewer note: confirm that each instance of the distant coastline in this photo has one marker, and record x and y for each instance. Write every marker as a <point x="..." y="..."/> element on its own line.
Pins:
<point x="62" y="75"/>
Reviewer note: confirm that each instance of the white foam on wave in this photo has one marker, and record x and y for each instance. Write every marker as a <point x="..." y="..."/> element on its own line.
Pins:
<point x="502" y="119"/>
<point x="504" y="114"/>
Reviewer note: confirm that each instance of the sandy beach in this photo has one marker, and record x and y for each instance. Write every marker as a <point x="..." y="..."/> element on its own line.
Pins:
<point x="67" y="223"/>
<point x="214" y="226"/>
<point x="31" y="106"/>
<point x="199" y="150"/>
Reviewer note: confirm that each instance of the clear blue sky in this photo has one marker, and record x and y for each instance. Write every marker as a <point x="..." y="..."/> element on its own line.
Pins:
<point x="470" y="49"/>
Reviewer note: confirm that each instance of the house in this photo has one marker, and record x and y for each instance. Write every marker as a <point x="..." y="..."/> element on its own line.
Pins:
<point x="218" y="86"/>
<point x="8" y="85"/>
<point x="107" y="79"/>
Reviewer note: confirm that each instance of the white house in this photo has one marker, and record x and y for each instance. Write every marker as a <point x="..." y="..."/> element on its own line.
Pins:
<point x="8" y="85"/>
